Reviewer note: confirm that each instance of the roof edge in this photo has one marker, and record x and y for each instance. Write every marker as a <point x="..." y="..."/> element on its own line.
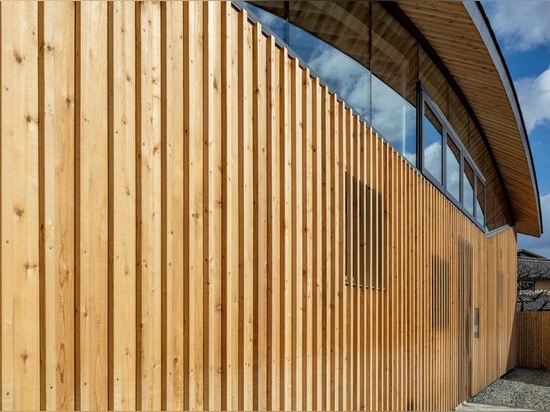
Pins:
<point x="481" y="21"/>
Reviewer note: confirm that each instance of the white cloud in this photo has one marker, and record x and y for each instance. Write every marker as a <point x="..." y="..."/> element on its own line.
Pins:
<point x="522" y="25"/>
<point x="432" y="159"/>
<point x="349" y="79"/>
<point x="534" y="97"/>
<point x="540" y="246"/>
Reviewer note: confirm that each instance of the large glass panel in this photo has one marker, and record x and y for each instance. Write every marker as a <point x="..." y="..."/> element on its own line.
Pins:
<point x="343" y="25"/>
<point x="432" y="144"/>
<point x="349" y="79"/>
<point x="468" y="187"/>
<point x="394" y="118"/>
<point x="452" y="172"/>
<point x="480" y="202"/>
<point x="394" y="65"/>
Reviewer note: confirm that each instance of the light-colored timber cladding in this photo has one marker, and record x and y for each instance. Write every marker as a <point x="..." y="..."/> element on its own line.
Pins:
<point x="451" y="31"/>
<point x="533" y="343"/>
<point x="179" y="213"/>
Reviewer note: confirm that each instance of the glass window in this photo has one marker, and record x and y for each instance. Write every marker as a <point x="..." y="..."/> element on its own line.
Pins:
<point x="334" y="41"/>
<point x="468" y="187"/>
<point x="432" y="144"/>
<point x="374" y="65"/>
<point x="349" y="79"/>
<point x="394" y="118"/>
<point x="452" y="172"/>
<point x="394" y="65"/>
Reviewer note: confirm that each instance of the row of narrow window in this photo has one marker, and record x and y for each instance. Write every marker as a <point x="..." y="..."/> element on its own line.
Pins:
<point x="379" y="70"/>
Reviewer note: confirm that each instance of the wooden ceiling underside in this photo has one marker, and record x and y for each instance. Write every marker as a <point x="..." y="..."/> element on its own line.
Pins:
<point x="448" y="27"/>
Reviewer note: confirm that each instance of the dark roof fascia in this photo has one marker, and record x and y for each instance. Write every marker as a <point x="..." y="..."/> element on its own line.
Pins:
<point x="481" y="21"/>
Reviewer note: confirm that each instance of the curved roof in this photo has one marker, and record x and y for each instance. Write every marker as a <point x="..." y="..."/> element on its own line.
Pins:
<point x="460" y="34"/>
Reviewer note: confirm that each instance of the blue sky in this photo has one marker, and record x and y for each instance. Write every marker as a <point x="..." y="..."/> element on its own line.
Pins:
<point x="523" y="30"/>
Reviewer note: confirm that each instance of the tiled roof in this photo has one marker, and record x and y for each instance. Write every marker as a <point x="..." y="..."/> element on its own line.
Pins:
<point x="533" y="269"/>
<point x="533" y="301"/>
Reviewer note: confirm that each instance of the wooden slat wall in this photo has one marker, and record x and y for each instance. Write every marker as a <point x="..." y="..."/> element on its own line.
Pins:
<point x="173" y="228"/>
<point x="533" y="329"/>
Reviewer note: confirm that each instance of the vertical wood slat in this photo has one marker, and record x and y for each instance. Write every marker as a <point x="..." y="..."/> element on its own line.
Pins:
<point x="19" y="212"/>
<point x="213" y="206"/>
<point x="193" y="210"/>
<point x="124" y="213"/>
<point x="58" y="125"/>
<point x="150" y="212"/>
<point x="261" y="241"/>
<point x="235" y="202"/>
<point x="93" y="231"/>
<point x="274" y="206"/>
<point x="532" y="349"/>
<point x="246" y="232"/>
<point x="175" y="377"/>
<point x="230" y="217"/>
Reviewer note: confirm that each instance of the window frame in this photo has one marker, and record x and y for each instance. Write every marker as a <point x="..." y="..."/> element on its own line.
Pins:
<point x="425" y="99"/>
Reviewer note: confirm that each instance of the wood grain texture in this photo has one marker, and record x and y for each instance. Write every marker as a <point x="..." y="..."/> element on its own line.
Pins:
<point x="93" y="184"/>
<point x="533" y="340"/>
<point x="191" y="221"/>
<point x="58" y="187"/>
<point x="124" y="205"/>
<point x="20" y="286"/>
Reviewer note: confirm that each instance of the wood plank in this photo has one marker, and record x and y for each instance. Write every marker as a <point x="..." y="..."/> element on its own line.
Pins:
<point x="286" y="234"/>
<point x="327" y="250"/>
<point x="336" y="240"/>
<point x="296" y="133"/>
<point x="58" y="134"/>
<point x="274" y="205"/>
<point x="93" y="217"/>
<point x="246" y="200"/>
<point x="318" y="229"/>
<point x="230" y="219"/>
<point x="150" y="205"/>
<point x="307" y="239"/>
<point x="213" y="206"/>
<point x="124" y="205"/>
<point x="193" y="209"/>
<point x="20" y="287"/>
<point x="261" y="245"/>
<point x="175" y="377"/>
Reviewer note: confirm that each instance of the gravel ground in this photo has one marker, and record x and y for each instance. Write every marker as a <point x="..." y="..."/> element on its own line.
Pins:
<point x="522" y="388"/>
